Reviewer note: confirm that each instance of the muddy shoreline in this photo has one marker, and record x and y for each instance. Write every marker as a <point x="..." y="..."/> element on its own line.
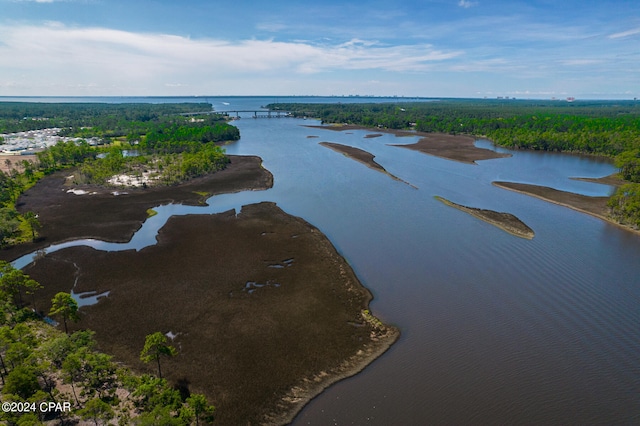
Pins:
<point x="594" y="206"/>
<point x="505" y="221"/>
<point x="102" y="215"/>
<point x="452" y="147"/>
<point x="266" y="313"/>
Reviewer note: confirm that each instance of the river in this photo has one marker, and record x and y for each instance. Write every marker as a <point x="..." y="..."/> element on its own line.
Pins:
<point x="495" y="328"/>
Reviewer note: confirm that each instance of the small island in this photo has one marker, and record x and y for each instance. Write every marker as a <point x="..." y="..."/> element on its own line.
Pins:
<point x="451" y="147"/>
<point x="505" y="221"/>
<point x="361" y="156"/>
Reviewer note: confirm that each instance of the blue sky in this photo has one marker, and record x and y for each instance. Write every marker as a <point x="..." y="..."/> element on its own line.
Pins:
<point x="438" y="48"/>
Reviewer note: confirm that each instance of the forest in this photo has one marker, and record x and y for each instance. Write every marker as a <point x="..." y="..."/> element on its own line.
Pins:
<point x="142" y="144"/>
<point x="607" y="128"/>
<point x="116" y="119"/>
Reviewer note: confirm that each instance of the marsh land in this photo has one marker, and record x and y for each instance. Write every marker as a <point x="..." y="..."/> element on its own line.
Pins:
<point x="265" y="312"/>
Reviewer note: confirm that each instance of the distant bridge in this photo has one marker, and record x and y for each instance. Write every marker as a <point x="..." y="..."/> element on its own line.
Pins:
<point x="257" y="113"/>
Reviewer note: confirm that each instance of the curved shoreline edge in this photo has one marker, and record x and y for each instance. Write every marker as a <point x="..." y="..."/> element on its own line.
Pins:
<point x="459" y="148"/>
<point x="261" y="235"/>
<point x="593" y="206"/>
<point x="505" y="221"/>
<point x="310" y="388"/>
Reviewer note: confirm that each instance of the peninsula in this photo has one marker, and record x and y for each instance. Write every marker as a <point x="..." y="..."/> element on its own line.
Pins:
<point x="264" y="311"/>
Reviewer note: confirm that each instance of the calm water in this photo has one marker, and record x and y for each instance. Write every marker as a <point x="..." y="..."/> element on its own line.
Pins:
<point x="495" y="329"/>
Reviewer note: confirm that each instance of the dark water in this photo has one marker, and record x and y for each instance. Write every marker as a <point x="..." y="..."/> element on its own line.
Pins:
<point x="495" y="329"/>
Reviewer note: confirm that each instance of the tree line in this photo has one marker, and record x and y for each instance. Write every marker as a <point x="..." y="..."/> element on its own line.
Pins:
<point x="609" y="128"/>
<point x="24" y="116"/>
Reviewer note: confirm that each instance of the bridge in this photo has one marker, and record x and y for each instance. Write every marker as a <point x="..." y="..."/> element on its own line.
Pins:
<point x="257" y="113"/>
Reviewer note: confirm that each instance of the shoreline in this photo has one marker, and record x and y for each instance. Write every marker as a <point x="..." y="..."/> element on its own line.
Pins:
<point x="459" y="148"/>
<point x="266" y="313"/>
<point x="593" y="206"/>
<point x="311" y="387"/>
<point x="115" y="214"/>
<point x="505" y="221"/>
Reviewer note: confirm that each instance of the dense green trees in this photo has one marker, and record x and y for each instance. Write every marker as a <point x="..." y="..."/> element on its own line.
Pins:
<point x="174" y="137"/>
<point x="94" y="119"/>
<point x="607" y="128"/>
<point x="625" y="205"/>
<point x="629" y="164"/>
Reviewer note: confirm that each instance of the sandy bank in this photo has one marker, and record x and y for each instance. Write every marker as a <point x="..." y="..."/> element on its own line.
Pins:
<point x="595" y="206"/>
<point x="505" y="221"/>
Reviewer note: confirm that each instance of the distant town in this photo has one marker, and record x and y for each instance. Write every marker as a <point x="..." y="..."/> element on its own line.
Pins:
<point x="32" y="141"/>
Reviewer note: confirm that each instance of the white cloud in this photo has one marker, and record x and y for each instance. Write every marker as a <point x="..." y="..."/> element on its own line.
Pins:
<point x="625" y="34"/>
<point x="581" y="62"/>
<point x="467" y="3"/>
<point x="55" y="49"/>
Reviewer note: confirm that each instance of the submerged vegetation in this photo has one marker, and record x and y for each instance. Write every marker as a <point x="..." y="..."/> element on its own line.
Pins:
<point x="608" y="128"/>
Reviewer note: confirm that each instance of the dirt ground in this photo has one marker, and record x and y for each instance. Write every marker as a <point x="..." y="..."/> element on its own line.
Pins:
<point x="14" y="162"/>
<point x="266" y="313"/>
<point x="363" y="157"/>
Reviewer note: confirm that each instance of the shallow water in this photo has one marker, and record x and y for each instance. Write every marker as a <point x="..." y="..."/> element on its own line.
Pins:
<point x="495" y="329"/>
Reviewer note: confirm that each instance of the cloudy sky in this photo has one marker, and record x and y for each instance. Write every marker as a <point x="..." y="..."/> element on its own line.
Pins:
<point x="432" y="48"/>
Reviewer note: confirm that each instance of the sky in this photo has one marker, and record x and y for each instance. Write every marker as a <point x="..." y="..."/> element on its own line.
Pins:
<point x="587" y="49"/>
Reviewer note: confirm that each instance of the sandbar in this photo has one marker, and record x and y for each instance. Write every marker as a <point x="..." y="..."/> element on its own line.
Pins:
<point x="265" y="312"/>
<point x="361" y="156"/>
<point x="452" y="147"/>
<point x="594" y="206"/>
<point x="505" y="221"/>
